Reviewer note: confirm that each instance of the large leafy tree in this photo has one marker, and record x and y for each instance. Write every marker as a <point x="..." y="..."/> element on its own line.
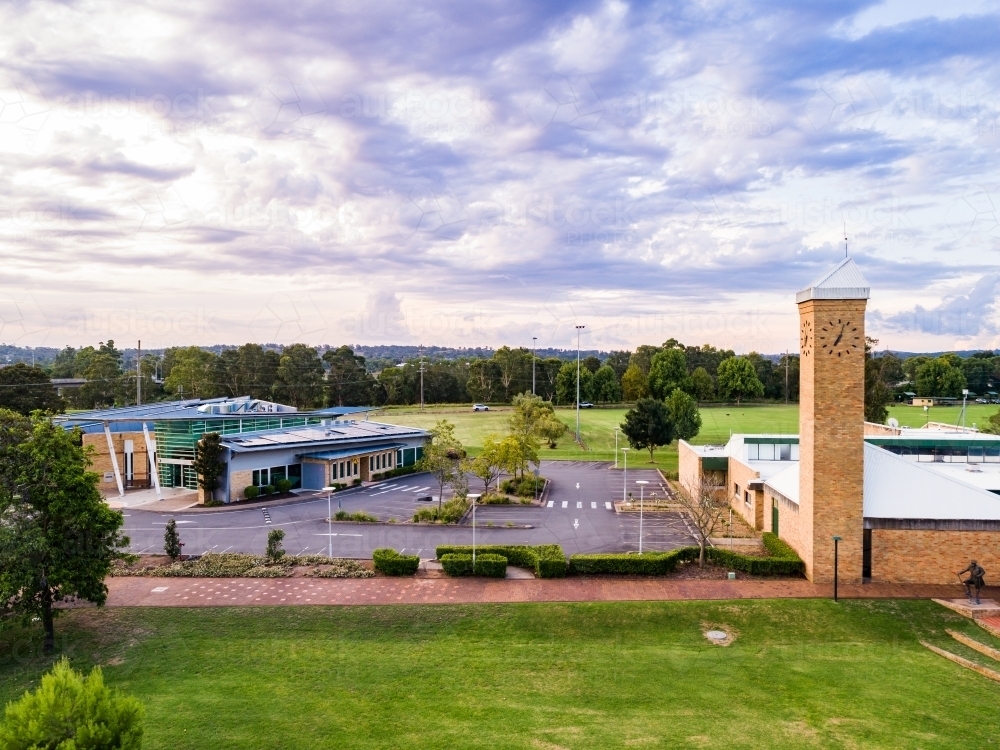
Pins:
<point x="104" y="380"/>
<point x="71" y="712"/>
<point x="684" y="414"/>
<point x="192" y="373"/>
<point x="940" y="377"/>
<point x="648" y="426"/>
<point x="881" y="374"/>
<point x="667" y="372"/>
<point x="443" y="457"/>
<point x="24" y="389"/>
<point x="700" y="384"/>
<point x="635" y="383"/>
<point x="737" y="377"/>
<point x="58" y="537"/>
<point x="605" y="387"/>
<point x="300" y="376"/>
<point x="208" y="461"/>
<point x="566" y="383"/>
<point x="249" y="370"/>
<point x="489" y="464"/>
<point x="513" y="368"/>
<point x="348" y="382"/>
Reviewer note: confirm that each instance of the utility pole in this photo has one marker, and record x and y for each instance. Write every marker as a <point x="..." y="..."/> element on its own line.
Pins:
<point x="534" y="346"/>
<point x="578" y="329"/>
<point x="421" y="377"/>
<point x="138" y="375"/>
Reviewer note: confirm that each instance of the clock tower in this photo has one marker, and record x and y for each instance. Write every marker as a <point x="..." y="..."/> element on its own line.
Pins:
<point x="831" y="424"/>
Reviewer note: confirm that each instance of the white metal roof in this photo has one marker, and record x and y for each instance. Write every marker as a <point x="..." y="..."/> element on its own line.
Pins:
<point x="786" y="483"/>
<point x="843" y="281"/>
<point x="898" y="488"/>
<point x="319" y="436"/>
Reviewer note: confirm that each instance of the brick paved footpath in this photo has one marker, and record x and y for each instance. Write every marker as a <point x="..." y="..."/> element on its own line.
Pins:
<point x="216" y="592"/>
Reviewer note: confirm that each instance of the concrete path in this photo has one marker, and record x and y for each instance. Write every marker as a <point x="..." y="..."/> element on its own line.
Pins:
<point x="216" y="592"/>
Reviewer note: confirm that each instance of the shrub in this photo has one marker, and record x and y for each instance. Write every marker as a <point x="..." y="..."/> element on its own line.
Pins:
<point x="525" y="486"/>
<point x="629" y="563"/>
<point x="456" y="565"/>
<point x="251" y="492"/>
<point x="341" y="515"/>
<point x="781" y="559"/>
<point x="451" y="512"/>
<point x="392" y="563"/>
<point x="172" y="541"/>
<point x="491" y="566"/>
<point x="356" y="482"/>
<point x="399" y="471"/>
<point x="69" y="710"/>
<point x="547" y="560"/>
<point x="267" y="489"/>
<point x="493" y="498"/>
<point x="360" y="517"/>
<point x="274" y="551"/>
<point x="283" y="485"/>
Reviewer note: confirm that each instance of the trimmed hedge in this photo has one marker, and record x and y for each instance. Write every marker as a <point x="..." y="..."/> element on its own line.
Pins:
<point x="251" y="492"/>
<point x="456" y="565"/>
<point x="782" y="561"/>
<point x="399" y="471"/>
<point x="491" y="566"/>
<point x="646" y="564"/>
<point x="392" y="563"/>
<point x="547" y="560"/>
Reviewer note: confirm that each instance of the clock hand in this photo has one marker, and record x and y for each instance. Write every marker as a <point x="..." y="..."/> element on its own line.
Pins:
<point x="840" y="335"/>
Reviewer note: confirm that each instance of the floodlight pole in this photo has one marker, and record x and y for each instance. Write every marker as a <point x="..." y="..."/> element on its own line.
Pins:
<point x="616" y="447"/>
<point x="836" y="544"/>
<point x="138" y="375"/>
<point x="534" y="347"/>
<point x="642" y="486"/>
<point x="473" y="498"/>
<point x="625" y="477"/>
<point x="578" y="329"/>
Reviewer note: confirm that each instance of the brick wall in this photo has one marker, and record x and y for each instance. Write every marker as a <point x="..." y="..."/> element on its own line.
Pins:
<point x="741" y="474"/>
<point x="101" y="457"/>
<point x="688" y="468"/>
<point x="239" y="481"/>
<point x="831" y="439"/>
<point x="932" y="556"/>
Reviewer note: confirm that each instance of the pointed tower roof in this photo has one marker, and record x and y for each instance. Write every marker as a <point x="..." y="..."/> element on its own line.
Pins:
<point x="843" y="281"/>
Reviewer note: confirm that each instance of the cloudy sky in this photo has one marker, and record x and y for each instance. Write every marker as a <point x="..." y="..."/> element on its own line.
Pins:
<point x="483" y="173"/>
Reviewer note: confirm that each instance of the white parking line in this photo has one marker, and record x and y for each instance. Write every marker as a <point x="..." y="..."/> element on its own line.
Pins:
<point x="565" y="504"/>
<point x="421" y="489"/>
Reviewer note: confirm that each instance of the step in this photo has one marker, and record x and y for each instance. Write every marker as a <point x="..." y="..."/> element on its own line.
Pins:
<point x="984" y="671"/>
<point x="988" y="608"/>
<point x="990" y="624"/>
<point x="975" y="645"/>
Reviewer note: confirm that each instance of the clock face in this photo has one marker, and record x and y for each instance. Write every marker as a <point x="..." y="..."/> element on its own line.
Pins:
<point x="839" y="338"/>
<point x="806" y="338"/>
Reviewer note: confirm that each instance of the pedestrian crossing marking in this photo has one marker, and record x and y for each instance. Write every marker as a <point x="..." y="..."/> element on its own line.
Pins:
<point x="549" y="504"/>
<point x="565" y="504"/>
<point x="579" y="505"/>
<point x="607" y="505"/>
<point x="594" y="506"/>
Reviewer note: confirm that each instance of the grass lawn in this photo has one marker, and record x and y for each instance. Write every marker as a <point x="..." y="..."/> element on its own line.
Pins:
<point x="597" y="426"/>
<point x="800" y="674"/>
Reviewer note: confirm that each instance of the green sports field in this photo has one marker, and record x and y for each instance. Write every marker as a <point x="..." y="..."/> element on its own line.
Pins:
<point x="800" y="674"/>
<point x="597" y="426"/>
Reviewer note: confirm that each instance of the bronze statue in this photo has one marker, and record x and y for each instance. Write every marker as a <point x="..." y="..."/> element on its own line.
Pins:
<point x="976" y="575"/>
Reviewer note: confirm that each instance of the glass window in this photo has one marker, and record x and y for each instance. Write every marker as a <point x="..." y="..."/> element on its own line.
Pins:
<point x="795" y="451"/>
<point x="766" y="452"/>
<point x="295" y="475"/>
<point x="786" y="452"/>
<point x="277" y="472"/>
<point x="753" y="451"/>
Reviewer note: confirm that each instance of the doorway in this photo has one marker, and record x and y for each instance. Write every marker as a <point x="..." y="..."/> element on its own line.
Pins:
<point x="774" y="516"/>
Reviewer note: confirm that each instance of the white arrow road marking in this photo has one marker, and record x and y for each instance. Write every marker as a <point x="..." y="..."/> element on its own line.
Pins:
<point x="576" y="523"/>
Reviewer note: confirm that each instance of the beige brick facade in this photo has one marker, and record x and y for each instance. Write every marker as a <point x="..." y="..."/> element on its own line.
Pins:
<point x="831" y="439"/>
<point x="239" y="481"/>
<point x="739" y="492"/>
<point x="932" y="556"/>
<point x="101" y="456"/>
<point x="688" y="468"/>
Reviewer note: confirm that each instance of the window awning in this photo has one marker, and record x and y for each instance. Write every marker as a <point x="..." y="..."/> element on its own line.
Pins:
<point x="351" y="452"/>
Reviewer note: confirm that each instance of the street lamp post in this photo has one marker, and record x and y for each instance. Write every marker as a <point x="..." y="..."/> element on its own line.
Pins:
<point x="534" y="347"/>
<point x="578" y="329"/>
<point x="642" y="486"/>
<point x="836" y="545"/>
<point x="625" y="477"/>
<point x="927" y="415"/>
<point x="473" y="498"/>
<point x="329" y="519"/>
<point x="616" y="447"/>
<point x="965" y="396"/>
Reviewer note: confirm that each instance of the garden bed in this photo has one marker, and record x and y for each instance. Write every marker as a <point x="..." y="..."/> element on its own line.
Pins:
<point x="236" y="565"/>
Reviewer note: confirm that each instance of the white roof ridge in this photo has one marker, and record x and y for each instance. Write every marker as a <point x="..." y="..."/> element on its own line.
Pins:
<point x="843" y="281"/>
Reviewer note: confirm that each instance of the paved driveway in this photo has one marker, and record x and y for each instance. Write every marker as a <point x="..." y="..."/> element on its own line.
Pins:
<point x="578" y="518"/>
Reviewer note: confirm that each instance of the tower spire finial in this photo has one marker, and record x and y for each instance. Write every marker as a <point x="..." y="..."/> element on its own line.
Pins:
<point x="845" y="239"/>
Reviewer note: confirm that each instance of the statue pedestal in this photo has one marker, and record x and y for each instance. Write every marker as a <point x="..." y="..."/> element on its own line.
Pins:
<point x="988" y="607"/>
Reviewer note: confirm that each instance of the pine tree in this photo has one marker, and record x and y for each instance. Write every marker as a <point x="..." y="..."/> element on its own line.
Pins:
<point x="172" y="540"/>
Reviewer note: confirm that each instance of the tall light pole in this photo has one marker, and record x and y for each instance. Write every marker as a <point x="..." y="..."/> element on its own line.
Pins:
<point x="329" y="519"/>
<point x="578" y="329"/>
<point x="534" y="347"/>
<point x="421" y="377"/>
<point x="965" y="395"/>
<point x="616" y="447"/>
<point x="642" y="486"/>
<point x="625" y="477"/>
<point x="473" y="498"/>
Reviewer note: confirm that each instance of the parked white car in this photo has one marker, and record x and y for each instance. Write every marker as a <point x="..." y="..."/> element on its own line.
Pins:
<point x="480" y="407"/>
